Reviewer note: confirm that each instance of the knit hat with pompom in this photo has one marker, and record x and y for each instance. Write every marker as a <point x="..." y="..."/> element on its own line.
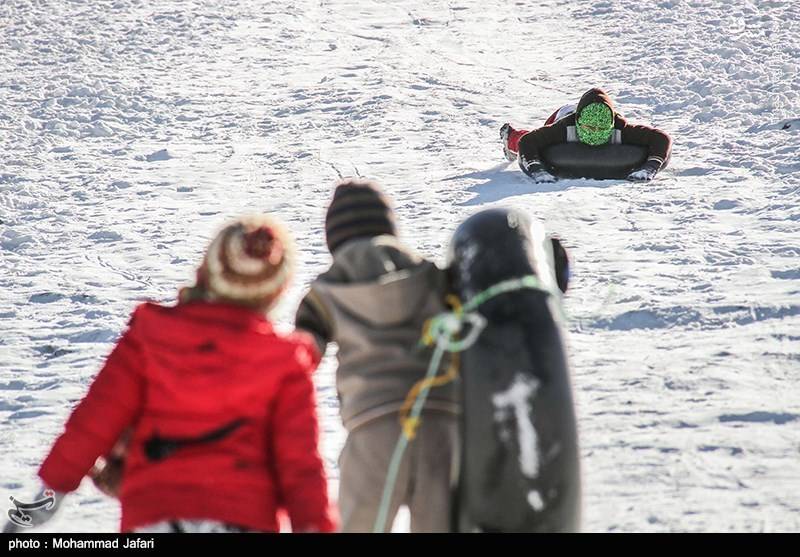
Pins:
<point x="250" y="262"/>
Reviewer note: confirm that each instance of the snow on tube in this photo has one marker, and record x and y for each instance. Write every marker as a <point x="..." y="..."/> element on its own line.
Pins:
<point x="519" y="469"/>
<point x="576" y="160"/>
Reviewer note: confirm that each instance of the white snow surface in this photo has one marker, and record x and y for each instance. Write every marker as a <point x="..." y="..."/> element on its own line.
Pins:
<point x="130" y="130"/>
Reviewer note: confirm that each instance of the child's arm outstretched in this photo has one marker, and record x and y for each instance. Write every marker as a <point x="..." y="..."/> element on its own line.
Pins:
<point x="111" y="405"/>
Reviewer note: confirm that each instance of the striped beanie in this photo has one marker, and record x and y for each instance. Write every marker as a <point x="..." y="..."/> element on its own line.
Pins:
<point x="250" y="262"/>
<point x="359" y="209"/>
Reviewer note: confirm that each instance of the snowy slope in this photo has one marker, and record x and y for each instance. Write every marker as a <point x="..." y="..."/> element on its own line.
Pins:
<point x="130" y="130"/>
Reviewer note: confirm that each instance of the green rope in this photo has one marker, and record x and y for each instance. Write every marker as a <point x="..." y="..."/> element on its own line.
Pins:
<point x="528" y="281"/>
<point x="444" y="328"/>
<point x="402" y="443"/>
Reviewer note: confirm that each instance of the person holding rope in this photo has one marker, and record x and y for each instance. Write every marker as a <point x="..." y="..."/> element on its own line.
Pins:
<point x="374" y="303"/>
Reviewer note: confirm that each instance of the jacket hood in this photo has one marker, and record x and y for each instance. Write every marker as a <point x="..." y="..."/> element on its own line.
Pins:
<point x="380" y="281"/>
<point x="402" y="294"/>
<point x="595" y="95"/>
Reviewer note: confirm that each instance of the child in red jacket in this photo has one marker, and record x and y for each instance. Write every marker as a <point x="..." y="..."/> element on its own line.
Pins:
<point x="218" y="407"/>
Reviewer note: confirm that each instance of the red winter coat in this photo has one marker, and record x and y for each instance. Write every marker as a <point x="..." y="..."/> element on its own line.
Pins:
<point x="223" y="416"/>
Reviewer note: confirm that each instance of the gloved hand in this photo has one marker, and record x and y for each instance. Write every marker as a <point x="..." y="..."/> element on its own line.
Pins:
<point x="536" y="171"/>
<point x="645" y="173"/>
<point x="107" y="478"/>
<point x="542" y="177"/>
<point x="107" y="475"/>
<point x="33" y="513"/>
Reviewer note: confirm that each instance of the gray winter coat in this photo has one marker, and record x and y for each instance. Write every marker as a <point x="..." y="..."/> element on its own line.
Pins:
<point x="373" y="302"/>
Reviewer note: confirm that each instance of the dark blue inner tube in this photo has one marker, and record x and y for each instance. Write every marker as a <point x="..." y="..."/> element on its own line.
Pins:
<point x="577" y="160"/>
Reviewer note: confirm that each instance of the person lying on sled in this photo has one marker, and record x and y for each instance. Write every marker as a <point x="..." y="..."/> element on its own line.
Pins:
<point x="593" y="122"/>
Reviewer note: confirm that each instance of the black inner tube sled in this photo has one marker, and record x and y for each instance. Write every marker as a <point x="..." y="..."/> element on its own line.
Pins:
<point x="577" y="160"/>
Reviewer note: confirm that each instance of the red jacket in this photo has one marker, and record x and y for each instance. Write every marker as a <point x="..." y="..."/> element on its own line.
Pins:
<point x="223" y="416"/>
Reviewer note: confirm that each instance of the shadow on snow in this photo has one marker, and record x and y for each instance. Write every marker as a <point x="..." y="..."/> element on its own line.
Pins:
<point x="503" y="181"/>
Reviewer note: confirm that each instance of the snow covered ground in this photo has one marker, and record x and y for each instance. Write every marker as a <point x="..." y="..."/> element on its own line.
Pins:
<point x="130" y="130"/>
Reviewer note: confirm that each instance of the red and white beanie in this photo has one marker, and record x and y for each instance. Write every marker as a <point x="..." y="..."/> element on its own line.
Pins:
<point x="251" y="261"/>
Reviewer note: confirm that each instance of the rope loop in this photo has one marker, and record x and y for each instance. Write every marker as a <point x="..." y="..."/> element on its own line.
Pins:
<point x="443" y="332"/>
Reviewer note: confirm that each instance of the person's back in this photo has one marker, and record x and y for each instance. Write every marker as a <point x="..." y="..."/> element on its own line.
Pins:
<point x="220" y="408"/>
<point x="379" y="294"/>
<point x="374" y="302"/>
<point x="219" y="385"/>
